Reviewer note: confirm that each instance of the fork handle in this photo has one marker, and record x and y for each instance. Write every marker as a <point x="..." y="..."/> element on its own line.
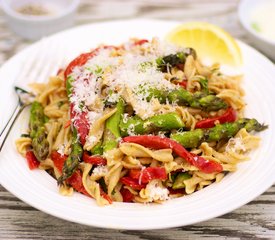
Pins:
<point x="5" y="132"/>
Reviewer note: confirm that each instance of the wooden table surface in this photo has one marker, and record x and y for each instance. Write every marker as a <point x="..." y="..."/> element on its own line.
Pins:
<point x="256" y="220"/>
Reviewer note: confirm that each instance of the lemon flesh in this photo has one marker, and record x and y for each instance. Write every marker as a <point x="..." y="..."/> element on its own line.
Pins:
<point x="211" y="43"/>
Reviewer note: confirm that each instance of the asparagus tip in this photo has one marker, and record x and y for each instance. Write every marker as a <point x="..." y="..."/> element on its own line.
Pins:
<point x="61" y="179"/>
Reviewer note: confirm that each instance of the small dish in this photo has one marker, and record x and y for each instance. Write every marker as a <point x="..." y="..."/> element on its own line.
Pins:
<point x="35" y="19"/>
<point x="246" y="11"/>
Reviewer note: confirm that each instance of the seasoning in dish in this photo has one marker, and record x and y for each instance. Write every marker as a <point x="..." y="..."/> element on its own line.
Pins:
<point x="34" y="9"/>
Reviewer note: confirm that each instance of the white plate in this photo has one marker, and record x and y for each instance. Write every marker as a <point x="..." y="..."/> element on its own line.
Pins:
<point x="39" y="190"/>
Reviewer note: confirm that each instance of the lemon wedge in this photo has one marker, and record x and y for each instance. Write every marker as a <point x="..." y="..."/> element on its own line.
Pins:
<point x="212" y="44"/>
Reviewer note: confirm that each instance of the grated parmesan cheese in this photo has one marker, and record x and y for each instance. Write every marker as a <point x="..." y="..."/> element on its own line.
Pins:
<point x="90" y="140"/>
<point x="157" y="191"/>
<point x="61" y="149"/>
<point x="235" y="145"/>
<point x="100" y="171"/>
<point x="133" y="67"/>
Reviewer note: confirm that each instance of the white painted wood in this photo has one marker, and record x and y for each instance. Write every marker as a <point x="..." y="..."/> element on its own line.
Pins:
<point x="256" y="220"/>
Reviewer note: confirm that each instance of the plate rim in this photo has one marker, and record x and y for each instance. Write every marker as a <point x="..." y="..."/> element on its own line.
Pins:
<point x="24" y="51"/>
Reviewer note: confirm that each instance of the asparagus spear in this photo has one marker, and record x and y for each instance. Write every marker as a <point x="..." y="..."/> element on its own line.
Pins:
<point x="69" y="85"/>
<point x="97" y="149"/>
<point x="192" y="139"/>
<point x="172" y="60"/>
<point x="71" y="163"/>
<point x="112" y="131"/>
<point x="179" y="180"/>
<point x="162" y="122"/>
<point x="38" y="134"/>
<point x="200" y="100"/>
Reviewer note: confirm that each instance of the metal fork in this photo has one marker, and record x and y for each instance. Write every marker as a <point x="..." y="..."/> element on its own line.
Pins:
<point x="46" y="61"/>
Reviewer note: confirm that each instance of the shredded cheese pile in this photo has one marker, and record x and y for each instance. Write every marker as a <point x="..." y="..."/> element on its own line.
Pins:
<point x="128" y="71"/>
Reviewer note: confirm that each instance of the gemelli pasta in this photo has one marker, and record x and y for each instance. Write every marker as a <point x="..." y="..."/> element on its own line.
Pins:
<point x="142" y="122"/>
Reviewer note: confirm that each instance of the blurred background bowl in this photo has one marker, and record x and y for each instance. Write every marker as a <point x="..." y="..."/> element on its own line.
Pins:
<point x="33" y="19"/>
<point x="245" y="12"/>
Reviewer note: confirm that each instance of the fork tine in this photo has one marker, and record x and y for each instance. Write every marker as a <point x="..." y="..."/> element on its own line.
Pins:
<point x="34" y="69"/>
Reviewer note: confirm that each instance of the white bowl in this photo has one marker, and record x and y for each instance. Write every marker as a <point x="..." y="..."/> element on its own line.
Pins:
<point x="264" y="44"/>
<point x="34" y="27"/>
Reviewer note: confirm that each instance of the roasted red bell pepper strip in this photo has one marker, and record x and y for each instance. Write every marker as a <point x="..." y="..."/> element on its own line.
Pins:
<point x="96" y="160"/>
<point x="207" y="165"/>
<point x="76" y="182"/>
<point x="79" y="61"/>
<point x="157" y="142"/>
<point x="76" y="179"/>
<point x="126" y="195"/>
<point x="183" y="84"/>
<point x="58" y="160"/>
<point x="140" y="42"/>
<point x="229" y="116"/>
<point x="83" y="58"/>
<point x="32" y="160"/>
<point x="133" y="183"/>
<point x="81" y="124"/>
<point x="148" y="174"/>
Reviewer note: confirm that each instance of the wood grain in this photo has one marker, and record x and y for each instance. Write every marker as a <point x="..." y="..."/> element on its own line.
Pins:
<point x="255" y="220"/>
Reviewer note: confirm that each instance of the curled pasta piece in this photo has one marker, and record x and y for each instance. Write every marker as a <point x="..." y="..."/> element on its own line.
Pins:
<point x="23" y="144"/>
<point x="53" y="110"/>
<point x="116" y="195"/>
<point x="52" y="92"/>
<point x="52" y="128"/>
<point x="145" y="160"/>
<point x="113" y="176"/>
<point x="43" y="98"/>
<point x="189" y="68"/>
<point x="233" y="98"/>
<point x="63" y="139"/>
<point x="194" y="83"/>
<point x="191" y="184"/>
<point x="218" y="82"/>
<point x="228" y="162"/>
<point x="219" y="177"/>
<point x="203" y="184"/>
<point x="206" y="176"/>
<point x="203" y="70"/>
<point x="243" y="142"/>
<point x="136" y="150"/>
<point x="130" y="162"/>
<point x="113" y="156"/>
<point x="38" y="88"/>
<point x="249" y="141"/>
<point x="65" y="190"/>
<point x="187" y="117"/>
<point x="96" y="130"/>
<point x="184" y="164"/>
<point x="172" y="166"/>
<point x="92" y="187"/>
